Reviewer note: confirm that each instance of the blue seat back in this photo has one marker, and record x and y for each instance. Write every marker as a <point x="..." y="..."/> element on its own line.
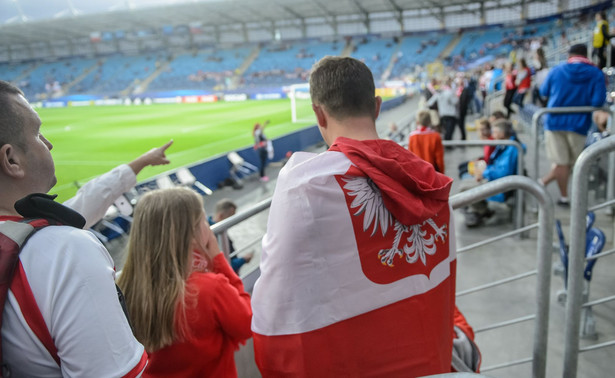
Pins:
<point x="563" y="248"/>
<point x="594" y="244"/>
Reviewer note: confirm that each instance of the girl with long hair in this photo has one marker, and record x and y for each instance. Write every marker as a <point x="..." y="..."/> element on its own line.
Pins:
<point x="187" y="306"/>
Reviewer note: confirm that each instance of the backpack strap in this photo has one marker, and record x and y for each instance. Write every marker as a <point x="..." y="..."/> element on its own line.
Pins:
<point x="31" y="313"/>
<point x="13" y="235"/>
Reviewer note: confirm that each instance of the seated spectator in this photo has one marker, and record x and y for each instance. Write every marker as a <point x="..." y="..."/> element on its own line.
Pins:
<point x="426" y="143"/>
<point x="484" y="130"/>
<point x="598" y="130"/>
<point x="502" y="163"/>
<point x="190" y="312"/>
<point x="226" y="208"/>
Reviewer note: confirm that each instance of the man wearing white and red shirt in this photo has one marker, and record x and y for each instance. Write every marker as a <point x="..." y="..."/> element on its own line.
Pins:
<point x="67" y="274"/>
<point x="358" y="264"/>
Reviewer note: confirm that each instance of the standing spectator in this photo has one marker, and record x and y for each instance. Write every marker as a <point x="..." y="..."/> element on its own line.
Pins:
<point x="495" y="84"/>
<point x="447" y="109"/>
<point x="187" y="306"/>
<point x="523" y="81"/>
<point x="426" y="143"/>
<point x="574" y="83"/>
<point x="511" y="88"/>
<point x="69" y="273"/>
<point x="465" y="99"/>
<point x="342" y="291"/>
<point x="601" y="39"/>
<point x="226" y="208"/>
<point x="542" y="69"/>
<point x="260" y="146"/>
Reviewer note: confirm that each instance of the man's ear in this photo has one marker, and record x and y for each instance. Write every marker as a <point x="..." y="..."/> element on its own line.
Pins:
<point x="10" y="161"/>
<point x="377" y="109"/>
<point x="321" y="117"/>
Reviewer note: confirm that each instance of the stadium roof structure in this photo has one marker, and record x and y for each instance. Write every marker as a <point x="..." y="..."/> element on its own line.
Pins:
<point x="24" y="21"/>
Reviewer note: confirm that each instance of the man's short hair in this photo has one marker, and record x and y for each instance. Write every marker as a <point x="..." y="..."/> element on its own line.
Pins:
<point x="344" y="86"/>
<point x="579" y="49"/>
<point x="505" y="126"/>
<point x="498" y="114"/>
<point x="225" y="206"/>
<point x="424" y="118"/>
<point x="11" y="121"/>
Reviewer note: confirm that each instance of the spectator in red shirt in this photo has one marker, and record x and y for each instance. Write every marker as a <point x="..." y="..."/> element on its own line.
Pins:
<point x="187" y="306"/>
<point x="523" y="82"/>
<point x="426" y="143"/>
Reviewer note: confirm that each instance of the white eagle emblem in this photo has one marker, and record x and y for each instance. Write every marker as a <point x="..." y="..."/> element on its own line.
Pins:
<point x="368" y="200"/>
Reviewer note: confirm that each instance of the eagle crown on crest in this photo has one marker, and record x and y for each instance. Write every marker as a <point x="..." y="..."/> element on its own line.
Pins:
<point x="368" y="201"/>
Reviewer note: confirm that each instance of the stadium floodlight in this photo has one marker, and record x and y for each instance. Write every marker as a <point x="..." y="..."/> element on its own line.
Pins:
<point x="300" y="103"/>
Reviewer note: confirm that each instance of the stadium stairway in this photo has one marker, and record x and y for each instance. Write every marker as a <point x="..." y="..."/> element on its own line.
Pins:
<point x="348" y="49"/>
<point x="244" y="66"/>
<point x="392" y="60"/>
<point x="447" y="50"/>
<point x="25" y="73"/>
<point x="78" y="79"/>
<point x="140" y="87"/>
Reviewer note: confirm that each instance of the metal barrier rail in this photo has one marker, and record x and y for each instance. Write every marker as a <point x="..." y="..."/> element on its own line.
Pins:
<point x="534" y="128"/>
<point x="519" y="215"/>
<point x="489" y="99"/>
<point x="220" y="229"/>
<point x="544" y="252"/>
<point x="576" y="257"/>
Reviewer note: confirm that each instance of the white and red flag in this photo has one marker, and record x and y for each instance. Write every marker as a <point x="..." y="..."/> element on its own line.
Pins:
<point x="358" y="266"/>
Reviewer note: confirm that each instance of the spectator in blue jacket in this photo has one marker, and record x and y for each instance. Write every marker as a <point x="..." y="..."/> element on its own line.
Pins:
<point x="502" y="162"/>
<point x="574" y="83"/>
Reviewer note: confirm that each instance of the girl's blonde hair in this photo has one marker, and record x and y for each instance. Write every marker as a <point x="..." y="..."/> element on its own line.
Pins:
<point x="158" y="263"/>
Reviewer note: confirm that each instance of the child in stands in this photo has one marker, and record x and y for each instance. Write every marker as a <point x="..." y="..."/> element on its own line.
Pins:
<point x="187" y="306"/>
<point x="426" y="143"/>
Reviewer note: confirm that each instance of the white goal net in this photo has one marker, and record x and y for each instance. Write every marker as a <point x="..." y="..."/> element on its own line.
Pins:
<point x="301" y="103"/>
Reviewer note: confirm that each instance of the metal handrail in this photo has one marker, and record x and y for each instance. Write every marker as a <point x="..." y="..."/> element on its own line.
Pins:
<point x="519" y="214"/>
<point x="560" y="110"/>
<point x="220" y="229"/>
<point x="489" y="99"/>
<point x="544" y="251"/>
<point x="576" y="257"/>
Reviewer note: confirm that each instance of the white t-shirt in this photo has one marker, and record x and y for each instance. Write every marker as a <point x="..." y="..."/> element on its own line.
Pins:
<point x="72" y="279"/>
<point x="94" y="198"/>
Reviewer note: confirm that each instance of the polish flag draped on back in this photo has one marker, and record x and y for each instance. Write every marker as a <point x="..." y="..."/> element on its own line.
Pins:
<point x="358" y="266"/>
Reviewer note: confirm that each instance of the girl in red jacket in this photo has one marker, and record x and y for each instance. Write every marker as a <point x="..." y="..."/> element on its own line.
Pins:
<point x="187" y="306"/>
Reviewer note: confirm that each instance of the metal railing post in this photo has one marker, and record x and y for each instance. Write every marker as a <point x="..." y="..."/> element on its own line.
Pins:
<point x="534" y="131"/>
<point x="519" y="213"/>
<point x="576" y="256"/>
<point x="544" y="252"/>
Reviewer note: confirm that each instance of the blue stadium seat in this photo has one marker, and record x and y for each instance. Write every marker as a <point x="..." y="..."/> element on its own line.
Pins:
<point x="595" y="240"/>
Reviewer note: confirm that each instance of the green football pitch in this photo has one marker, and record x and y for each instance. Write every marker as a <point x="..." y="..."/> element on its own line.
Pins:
<point x="88" y="141"/>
